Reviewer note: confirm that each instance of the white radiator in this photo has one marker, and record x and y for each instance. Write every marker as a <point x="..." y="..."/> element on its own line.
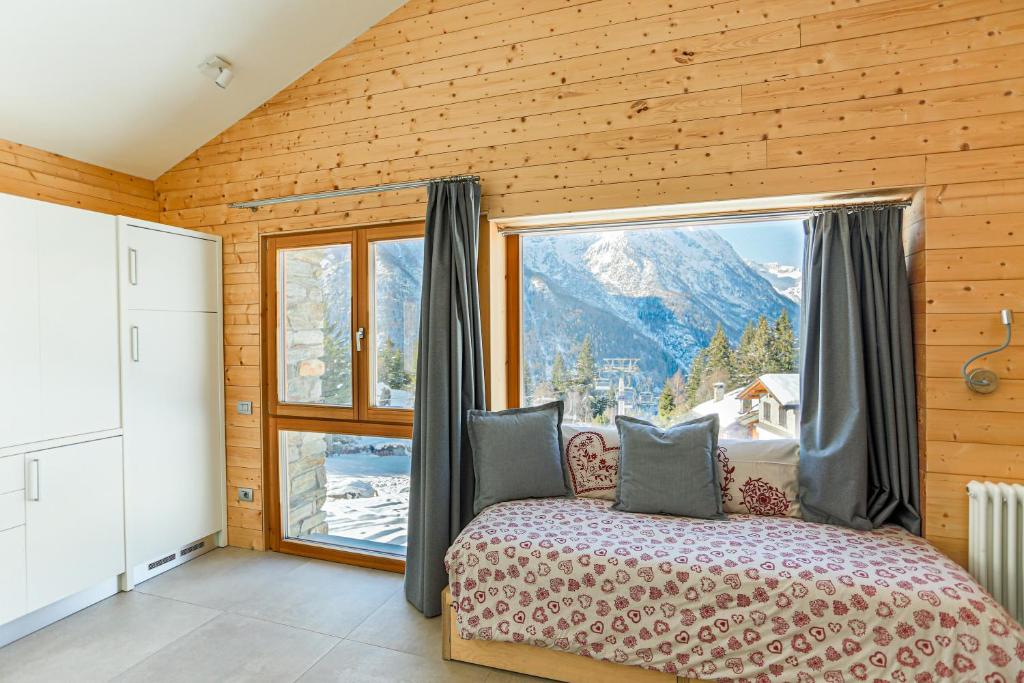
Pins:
<point x="996" y="541"/>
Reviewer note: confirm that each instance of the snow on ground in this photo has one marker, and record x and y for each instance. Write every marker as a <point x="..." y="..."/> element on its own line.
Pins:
<point x="381" y="513"/>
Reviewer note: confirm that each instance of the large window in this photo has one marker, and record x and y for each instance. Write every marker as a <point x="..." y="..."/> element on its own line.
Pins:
<point x="666" y="324"/>
<point x="341" y="332"/>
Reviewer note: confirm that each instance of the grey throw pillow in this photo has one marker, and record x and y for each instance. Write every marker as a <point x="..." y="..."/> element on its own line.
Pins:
<point x="669" y="471"/>
<point x="517" y="454"/>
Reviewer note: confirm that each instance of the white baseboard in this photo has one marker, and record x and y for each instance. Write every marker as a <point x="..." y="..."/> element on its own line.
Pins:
<point x="44" y="616"/>
<point x="175" y="558"/>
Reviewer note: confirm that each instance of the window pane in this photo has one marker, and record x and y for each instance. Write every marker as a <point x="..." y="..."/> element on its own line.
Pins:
<point x="316" y="325"/>
<point x="666" y="324"/>
<point x="397" y="280"/>
<point x="347" y="490"/>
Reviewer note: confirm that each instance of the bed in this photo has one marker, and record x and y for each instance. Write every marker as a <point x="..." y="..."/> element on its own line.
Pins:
<point x="748" y="598"/>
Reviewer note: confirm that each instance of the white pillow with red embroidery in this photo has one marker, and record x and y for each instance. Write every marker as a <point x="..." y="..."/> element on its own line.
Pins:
<point x="592" y="459"/>
<point x="760" y="477"/>
<point x="756" y="477"/>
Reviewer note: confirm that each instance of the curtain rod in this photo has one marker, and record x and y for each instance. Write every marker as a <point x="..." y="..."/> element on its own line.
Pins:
<point x="328" y="194"/>
<point x="704" y="219"/>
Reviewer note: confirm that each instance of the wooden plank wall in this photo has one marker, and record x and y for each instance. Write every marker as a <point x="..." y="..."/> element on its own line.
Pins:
<point x="30" y="172"/>
<point x="567" y="105"/>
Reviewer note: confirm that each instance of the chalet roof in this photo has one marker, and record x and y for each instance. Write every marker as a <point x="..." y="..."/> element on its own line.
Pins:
<point x="784" y="387"/>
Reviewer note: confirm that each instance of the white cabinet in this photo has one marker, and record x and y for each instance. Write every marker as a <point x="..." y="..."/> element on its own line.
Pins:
<point x="78" y="351"/>
<point x="58" y="307"/>
<point x="169" y="270"/>
<point x="12" y="537"/>
<point x="111" y="408"/>
<point x="174" y="463"/>
<point x="74" y="519"/>
<point x="19" y="321"/>
<point x="12" y="573"/>
<point x="62" y="528"/>
<point x="173" y="382"/>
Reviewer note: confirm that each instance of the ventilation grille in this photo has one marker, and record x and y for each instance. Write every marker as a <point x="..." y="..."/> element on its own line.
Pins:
<point x="192" y="548"/>
<point x="163" y="560"/>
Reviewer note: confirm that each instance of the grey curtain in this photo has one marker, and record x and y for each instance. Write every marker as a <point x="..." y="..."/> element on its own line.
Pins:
<point x="449" y="381"/>
<point x="858" y="426"/>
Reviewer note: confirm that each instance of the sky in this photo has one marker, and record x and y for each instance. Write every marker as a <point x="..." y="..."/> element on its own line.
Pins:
<point x="779" y="241"/>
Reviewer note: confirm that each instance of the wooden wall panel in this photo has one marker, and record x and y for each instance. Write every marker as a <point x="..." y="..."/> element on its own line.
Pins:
<point x="564" y="105"/>
<point x="30" y="172"/>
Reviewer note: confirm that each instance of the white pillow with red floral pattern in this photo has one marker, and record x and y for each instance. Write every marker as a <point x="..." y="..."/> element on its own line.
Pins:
<point x="760" y="477"/>
<point x="592" y="459"/>
<point x="756" y="477"/>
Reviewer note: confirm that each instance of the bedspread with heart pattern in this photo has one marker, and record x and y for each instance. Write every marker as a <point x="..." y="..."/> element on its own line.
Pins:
<point x="747" y="599"/>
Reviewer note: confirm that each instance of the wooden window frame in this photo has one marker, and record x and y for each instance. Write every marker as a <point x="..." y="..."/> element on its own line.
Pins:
<point x="361" y="419"/>
<point x="513" y="320"/>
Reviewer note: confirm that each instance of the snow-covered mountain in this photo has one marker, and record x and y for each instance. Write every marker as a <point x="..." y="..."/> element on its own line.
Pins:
<point x="652" y="295"/>
<point x="785" y="279"/>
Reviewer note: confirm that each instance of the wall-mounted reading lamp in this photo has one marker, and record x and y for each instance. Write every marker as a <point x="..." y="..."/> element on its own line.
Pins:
<point x="985" y="381"/>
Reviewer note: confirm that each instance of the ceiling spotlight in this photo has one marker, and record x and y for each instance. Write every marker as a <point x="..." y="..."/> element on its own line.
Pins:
<point x="219" y="69"/>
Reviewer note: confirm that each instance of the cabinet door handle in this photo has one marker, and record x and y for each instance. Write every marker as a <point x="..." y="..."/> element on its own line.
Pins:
<point x="133" y="266"/>
<point x="33" y="479"/>
<point x="135" y="343"/>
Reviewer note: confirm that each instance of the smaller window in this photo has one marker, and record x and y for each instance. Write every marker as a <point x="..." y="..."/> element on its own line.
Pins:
<point x="782" y="417"/>
<point x="766" y="410"/>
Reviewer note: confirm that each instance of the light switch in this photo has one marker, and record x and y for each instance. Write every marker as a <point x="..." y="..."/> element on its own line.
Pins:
<point x="245" y="407"/>
<point x="245" y="495"/>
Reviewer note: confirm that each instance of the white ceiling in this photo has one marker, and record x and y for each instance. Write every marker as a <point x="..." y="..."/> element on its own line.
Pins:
<point x="114" y="82"/>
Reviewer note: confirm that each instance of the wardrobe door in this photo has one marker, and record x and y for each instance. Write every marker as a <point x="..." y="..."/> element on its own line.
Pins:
<point x="58" y="321"/>
<point x="74" y="519"/>
<point x="173" y="462"/>
<point x="12" y="573"/>
<point x="79" y="381"/>
<point x="19" y="322"/>
<point x="168" y="271"/>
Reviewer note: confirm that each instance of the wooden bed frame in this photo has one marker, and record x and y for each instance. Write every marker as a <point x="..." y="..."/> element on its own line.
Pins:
<point x="539" y="661"/>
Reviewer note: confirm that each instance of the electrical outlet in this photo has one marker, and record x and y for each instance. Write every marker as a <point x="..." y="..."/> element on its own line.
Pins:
<point x="245" y="407"/>
<point x="245" y="495"/>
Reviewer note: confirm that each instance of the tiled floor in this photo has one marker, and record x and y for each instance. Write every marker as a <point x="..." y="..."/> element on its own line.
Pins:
<point x="237" y="615"/>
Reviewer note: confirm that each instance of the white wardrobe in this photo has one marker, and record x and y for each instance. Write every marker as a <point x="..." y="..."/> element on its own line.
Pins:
<point x="111" y="406"/>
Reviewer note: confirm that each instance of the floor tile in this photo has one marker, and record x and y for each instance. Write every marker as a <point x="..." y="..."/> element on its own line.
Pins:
<point x="323" y="596"/>
<point x="399" y="626"/>
<point x="223" y="578"/>
<point x="357" y="662"/>
<point x="234" y="648"/>
<point x="101" y="641"/>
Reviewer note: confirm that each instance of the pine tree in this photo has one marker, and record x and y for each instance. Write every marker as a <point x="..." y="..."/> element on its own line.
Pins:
<point x="746" y="370"/>
<point x="336" y="382"/>
<point x="695" y="378"/>
<point x="558" y="374"/>
<point x="760" y="348"/>
<point x="599" y="405"/>
<point x="667" y="401"/>
<point x="782" y="354"/>
<point x="719" y="359"/>
<point x="678" y="384"/>
<point x="391" y="366"/>
<point x="586" y="369"/>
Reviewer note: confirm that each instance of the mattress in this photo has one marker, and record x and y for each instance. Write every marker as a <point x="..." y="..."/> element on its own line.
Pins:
<point x="747" y="598"/>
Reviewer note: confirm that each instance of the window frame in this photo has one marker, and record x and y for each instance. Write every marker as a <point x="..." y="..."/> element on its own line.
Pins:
<point x="272" y="317"/>
<point x="361" y="419"/>
<point x="367" y="238"/>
